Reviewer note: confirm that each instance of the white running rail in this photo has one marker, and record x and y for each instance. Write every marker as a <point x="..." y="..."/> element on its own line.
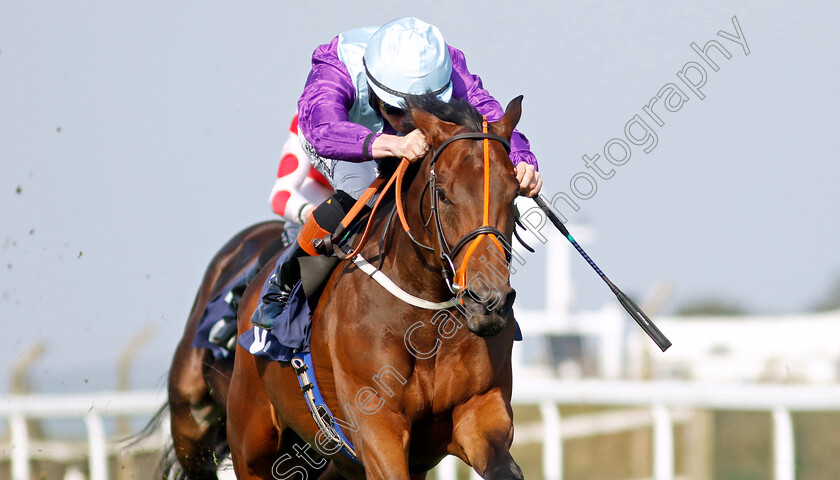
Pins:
<point x="91" y="408"/>
<point x="666" y="402"/>
<point x="663" y="399"/>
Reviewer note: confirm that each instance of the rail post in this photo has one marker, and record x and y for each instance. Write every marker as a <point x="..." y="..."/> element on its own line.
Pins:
<point x="98" y="462"/>
<point x="663" y="443"/>
<point x="20" y="447"/>
<point x="552" y="442"/>
<point x="784" y="467"/>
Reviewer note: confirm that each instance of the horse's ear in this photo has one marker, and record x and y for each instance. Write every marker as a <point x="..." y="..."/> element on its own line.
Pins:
<point x="505" y="126"/>
<point x="435" y="129"/>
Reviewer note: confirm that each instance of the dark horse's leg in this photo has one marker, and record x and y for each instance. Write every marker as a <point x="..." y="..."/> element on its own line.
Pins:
<point x="331" y="473"/>
<point x="198" y="383"/>
<point x="483" y="429"/>
<point x="196" y="418"/>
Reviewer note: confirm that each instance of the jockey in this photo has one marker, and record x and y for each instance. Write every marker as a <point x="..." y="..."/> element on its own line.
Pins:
<point x="350" y="120"/>
<point x="299" y="187"/>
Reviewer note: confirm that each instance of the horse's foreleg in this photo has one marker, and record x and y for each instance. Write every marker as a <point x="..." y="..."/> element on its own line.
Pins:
<point x="482" y="435"/>
<point x="383" y="446"/>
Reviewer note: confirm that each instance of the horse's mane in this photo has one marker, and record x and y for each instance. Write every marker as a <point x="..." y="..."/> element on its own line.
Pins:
<point x="457" y="110"/>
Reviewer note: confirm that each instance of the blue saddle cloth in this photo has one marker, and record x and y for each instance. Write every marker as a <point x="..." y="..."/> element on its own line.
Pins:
<point x="289" y="334"/>
<point x="290" y="330"/>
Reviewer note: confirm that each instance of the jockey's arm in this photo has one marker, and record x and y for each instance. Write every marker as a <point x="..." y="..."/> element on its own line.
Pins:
<point x="412" y="146"/>
<point x="323" y="111"/>
<point x="469" y="86"/>
<point x="323" y="107"/>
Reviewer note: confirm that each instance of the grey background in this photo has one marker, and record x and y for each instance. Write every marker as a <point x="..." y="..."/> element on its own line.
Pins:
<point x="142" y="135"/>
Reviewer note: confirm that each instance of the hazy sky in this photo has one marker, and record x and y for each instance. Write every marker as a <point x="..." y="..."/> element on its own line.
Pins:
<point x="137" y="137"/>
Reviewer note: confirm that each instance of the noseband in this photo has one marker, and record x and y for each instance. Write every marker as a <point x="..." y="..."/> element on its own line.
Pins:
<point x="455" y="278"/>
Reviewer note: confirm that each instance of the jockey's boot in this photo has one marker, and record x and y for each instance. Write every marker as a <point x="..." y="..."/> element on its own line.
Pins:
<point x="223" y="333"/>
<point x="278" y="289"/>
<point x="324" y="220"/>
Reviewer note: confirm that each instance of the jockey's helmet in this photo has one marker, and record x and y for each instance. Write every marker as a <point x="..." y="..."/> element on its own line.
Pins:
<point x="407" y="56"/>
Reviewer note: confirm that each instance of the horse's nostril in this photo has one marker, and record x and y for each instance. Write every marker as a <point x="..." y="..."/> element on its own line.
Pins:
<point x="507" y="305"/>
<point x="498" y="301"/>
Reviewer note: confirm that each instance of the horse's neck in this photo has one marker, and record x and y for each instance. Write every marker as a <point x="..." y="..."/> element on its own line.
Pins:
<point x="418" y="272"/>
<point x="414" y="268"/>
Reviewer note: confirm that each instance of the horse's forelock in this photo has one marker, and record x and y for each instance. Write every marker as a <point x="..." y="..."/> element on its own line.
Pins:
<point x="457" y="111"/>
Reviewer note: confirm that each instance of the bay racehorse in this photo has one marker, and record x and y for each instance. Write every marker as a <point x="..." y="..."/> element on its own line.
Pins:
<point x="408" y="384"/>
<point x="198" y="382"/>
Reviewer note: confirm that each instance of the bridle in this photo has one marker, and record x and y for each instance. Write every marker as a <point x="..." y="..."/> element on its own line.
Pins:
<point x="455" y="278"/>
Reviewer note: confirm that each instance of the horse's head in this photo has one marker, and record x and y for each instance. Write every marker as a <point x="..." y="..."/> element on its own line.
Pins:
<point x="470" y="192"/>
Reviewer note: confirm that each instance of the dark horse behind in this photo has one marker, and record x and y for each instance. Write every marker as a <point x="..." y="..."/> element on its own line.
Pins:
<point x="198" y="381"/>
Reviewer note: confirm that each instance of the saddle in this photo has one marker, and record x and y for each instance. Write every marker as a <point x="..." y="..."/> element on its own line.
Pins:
<point x="291" y="327"/>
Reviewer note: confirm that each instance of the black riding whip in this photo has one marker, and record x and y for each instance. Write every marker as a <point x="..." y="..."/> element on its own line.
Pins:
<point x="638" y="315"/>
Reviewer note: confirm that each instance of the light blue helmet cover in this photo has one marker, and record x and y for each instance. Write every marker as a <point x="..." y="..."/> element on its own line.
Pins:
<point x="407" y="56"/>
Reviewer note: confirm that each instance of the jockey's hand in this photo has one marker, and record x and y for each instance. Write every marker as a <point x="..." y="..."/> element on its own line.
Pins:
<point x="412" y="146"/>
<point x="530" y="180"/>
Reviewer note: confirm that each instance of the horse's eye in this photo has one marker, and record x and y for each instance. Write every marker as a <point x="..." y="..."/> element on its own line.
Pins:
<point x="442" y="196"/>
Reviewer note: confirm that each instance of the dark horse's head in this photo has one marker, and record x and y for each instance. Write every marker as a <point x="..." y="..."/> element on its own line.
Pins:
<point x="469" y="205"/>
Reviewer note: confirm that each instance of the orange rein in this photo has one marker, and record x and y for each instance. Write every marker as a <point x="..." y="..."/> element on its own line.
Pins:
<point x="345" y="222"/>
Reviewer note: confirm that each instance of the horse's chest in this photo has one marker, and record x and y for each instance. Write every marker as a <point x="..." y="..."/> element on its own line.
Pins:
<point x="434" y="393"/>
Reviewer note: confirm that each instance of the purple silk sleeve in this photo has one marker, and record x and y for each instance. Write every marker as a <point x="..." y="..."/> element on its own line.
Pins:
<point x="322" y="109"/>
